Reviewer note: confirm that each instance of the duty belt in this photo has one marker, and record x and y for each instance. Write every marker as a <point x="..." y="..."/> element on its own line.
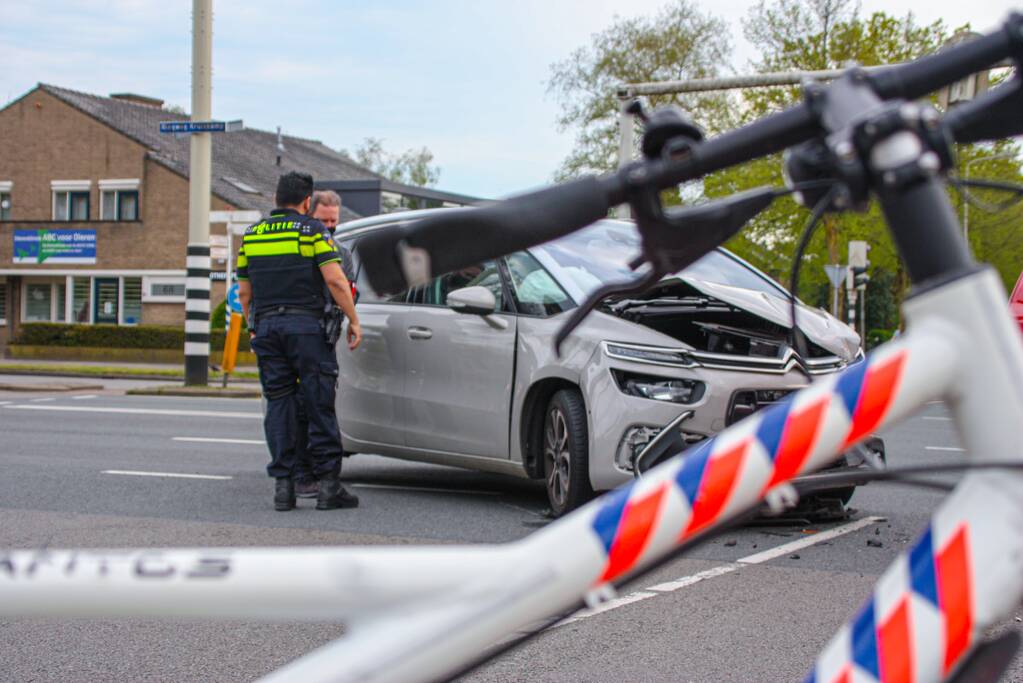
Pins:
<point x="288" y="310"/>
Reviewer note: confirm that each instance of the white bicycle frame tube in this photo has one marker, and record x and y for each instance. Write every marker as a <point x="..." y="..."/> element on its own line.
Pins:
<point x="420" y="613"/>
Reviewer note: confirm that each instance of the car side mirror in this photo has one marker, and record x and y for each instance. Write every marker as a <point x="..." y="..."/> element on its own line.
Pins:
<point x="476" y="300"/>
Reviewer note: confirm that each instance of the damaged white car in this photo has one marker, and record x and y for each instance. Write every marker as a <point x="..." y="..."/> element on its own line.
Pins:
<point x="463" y="372"/>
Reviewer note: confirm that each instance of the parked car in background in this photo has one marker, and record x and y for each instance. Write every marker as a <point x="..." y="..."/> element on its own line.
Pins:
<point x="462" y="371"/>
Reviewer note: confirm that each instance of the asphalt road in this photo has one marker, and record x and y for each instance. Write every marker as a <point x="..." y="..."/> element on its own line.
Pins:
<point x="77" y="474"/>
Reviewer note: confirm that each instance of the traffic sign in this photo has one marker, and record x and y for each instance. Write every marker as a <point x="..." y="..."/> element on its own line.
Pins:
<point x="233" y="302"/>
<point x="247" y="217"/>
<point x="836" y="274"/>
<point x="200" y="126"/>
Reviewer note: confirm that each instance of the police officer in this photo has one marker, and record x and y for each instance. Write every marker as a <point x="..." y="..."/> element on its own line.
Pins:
<point x="283" y="265"/>
<point x="326" y="208"/>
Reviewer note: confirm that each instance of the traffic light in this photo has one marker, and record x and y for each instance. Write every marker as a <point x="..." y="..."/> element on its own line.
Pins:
<point x="860" y="278"/>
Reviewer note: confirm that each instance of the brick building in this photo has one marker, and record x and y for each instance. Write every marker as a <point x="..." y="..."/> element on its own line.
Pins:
<point x="94" y="204"/>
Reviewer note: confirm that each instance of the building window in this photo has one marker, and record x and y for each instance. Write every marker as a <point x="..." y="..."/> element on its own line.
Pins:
<point x="163" y="290"/>
<point x="5" y="201"/>
<point x="3" y="301"/>
<point x="70" y="205"/>
<point x="38" y="302"/>
<point x="119" y="205"/>
<point x="131" y="309"/>
<point x="81" y="288"/>
<point x="119" y="199"/>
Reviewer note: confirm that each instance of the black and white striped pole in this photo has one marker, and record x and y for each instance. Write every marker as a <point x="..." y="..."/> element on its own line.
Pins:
<point x="197" y="285"/>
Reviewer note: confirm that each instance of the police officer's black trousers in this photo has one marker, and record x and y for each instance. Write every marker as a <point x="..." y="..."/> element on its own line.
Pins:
<point x="294" y="357"/>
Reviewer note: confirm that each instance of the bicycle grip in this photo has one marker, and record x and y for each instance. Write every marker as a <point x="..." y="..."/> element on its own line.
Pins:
<point x="410" y="254"/>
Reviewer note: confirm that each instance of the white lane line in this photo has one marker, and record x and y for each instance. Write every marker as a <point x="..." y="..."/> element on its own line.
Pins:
<point x="203" y="439"/>
<point x="819" y="537"/>
<point x="756" y="558"/>
<point x="606" y="607"/>
<point x="80" y="398"/>
<point x="6" y="403"/>
<point x="935" y="417"/>
<point x="41" y="400"/>
<point x="426" y="489"/>
<point x="142" y="411"/>
<point x="173" y="475"/>
<point x="945" y="448"/>
<point x="685" y="581"/>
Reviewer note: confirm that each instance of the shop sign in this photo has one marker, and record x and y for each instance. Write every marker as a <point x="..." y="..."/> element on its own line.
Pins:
<point x="55" y="246"/>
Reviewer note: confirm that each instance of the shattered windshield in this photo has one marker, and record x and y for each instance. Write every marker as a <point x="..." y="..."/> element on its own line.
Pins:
<point x="601" y="253"/>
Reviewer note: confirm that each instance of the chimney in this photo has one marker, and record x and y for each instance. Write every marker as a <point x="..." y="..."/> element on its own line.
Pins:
<point x="280" y="145"/>
<point x="154" y="102"/>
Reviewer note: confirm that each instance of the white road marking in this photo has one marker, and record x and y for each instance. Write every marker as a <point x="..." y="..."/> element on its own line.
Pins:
<point x="174" y="475"/>
<point x="79" y="398"/>
<point x="143" y="411"/>
<point x="6" y="403"/>
<point x="756" y="558"/>
<point x="42" y="400"/>
<point x="203" y="439"/>
<point x="685" y="581"/>
<point x="426" y="489"/>
<point x="606" y="607"/>
<point x="945" y="448"/>
<point x="936" y="417"/>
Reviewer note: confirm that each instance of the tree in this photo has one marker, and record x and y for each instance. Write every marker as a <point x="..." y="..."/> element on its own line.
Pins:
<point x="679" y="42"/>
<point x="817" y="35"/>
<point x="411" y="167"/>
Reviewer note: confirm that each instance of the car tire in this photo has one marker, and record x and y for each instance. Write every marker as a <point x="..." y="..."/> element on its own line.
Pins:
<point x="565" y="448"/>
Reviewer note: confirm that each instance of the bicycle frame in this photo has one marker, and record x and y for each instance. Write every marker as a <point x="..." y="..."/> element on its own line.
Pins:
<point x="420" y="613"/>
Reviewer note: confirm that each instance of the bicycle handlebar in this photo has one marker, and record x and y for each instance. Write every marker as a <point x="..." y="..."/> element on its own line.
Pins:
<point x="437" y="244"/>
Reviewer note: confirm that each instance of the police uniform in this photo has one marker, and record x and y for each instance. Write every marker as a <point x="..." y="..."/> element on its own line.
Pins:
<point x="281" y="258"/>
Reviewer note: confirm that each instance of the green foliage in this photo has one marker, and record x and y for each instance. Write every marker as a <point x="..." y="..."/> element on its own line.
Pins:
<point x="411" y="167"/>
<point x="679" y="42"/>
<point x="113" y="336"/>
<point x="877" y="336"/>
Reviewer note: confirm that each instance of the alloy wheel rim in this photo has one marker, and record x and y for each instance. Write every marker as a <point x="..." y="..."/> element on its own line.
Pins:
<point x="557" y="463"/>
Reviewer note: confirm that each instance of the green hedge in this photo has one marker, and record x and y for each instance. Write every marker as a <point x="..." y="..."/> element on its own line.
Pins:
<point x="113" y="336"/>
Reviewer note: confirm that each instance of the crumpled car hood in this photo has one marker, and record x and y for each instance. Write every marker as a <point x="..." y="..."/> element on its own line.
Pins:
<point x="822" y="328"/>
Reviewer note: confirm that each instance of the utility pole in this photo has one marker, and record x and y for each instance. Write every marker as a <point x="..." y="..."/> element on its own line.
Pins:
<point x="197" y="287"/>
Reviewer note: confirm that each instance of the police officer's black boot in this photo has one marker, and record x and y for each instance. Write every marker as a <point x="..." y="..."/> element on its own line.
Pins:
<point x="284" y="494"/>
<point x="333" y="495"/>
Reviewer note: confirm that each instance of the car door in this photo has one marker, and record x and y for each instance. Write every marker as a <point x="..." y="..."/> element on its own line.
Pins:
<point x="371" y="378"/>
<point x="460" y="367"/>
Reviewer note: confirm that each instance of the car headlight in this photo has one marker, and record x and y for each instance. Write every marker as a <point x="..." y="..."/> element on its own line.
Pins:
<point x="648" y="354"/>
<point x="671" y="389"/>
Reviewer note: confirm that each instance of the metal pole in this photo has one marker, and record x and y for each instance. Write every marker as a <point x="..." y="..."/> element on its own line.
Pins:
<point x="197" y="287"/>
<point x="625" y="147"/>
<point x="834" y="300"/>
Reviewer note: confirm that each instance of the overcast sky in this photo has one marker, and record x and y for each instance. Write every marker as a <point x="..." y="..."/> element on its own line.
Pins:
<point x="465" y="78"/>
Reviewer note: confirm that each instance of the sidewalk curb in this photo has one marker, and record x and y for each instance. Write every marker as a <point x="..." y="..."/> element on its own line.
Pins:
<point x="44" y="388"/>
<point x="203" y="392"/>
<point x="106" y="375"/>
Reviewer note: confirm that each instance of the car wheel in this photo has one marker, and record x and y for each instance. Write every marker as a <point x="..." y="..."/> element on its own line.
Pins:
<point x="566" y="452"/>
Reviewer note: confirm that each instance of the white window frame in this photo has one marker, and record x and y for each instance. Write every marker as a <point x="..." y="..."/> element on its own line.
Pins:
<point x="69" y="300"/>
<point x="68" y="186"/>
<point x="6" y="187"/>
<point x="53" y="282"/>
<point x="149" y="280"/>
<point x="118" y="185"/>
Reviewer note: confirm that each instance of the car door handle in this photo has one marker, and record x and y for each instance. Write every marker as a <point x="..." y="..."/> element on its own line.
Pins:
<point x="419" y="333"/>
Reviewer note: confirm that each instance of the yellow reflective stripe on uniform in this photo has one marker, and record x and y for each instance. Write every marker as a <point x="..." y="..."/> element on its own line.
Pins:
<point x="271" y="236"/>
<point x="306" y="250"/>
<point x="333" y="260"/>
<point x="309" y="239"/>
<point x="321" y="247"/>
<point x="271" y="248"/>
